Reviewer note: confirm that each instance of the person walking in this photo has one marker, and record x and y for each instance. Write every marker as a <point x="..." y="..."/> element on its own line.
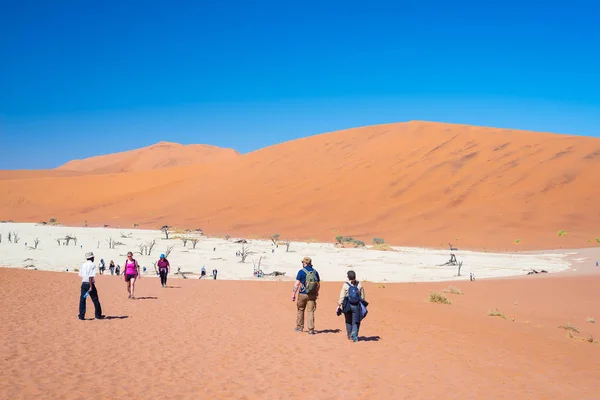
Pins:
<point x="350" y="303"/>
<point x="87" y="272"/>
<point x="163" y="269"/>
<point x="215" y="273"/>
<point x="309" y="283"/>
<point x="132" y="271"/>
<point x="111" y="267"/>
<point x="102" y="266"/>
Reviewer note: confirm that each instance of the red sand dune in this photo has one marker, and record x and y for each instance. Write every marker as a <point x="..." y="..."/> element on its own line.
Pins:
<point x="415" y="183"/>
<point x="235" y="340"/>
<point x="160" y="155"/>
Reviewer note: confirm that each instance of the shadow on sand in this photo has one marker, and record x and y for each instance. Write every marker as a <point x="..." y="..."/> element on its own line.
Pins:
<point x="116" y="316"/>
<point x="172" y="287"/>
<point x="328" y="331"/>
<point x="146" y="298"/>
<point x="369" y="338"/>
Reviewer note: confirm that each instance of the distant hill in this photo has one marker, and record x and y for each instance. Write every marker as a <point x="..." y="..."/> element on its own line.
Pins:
<point x="414" y="183"/>
<point x="160" y="155"/>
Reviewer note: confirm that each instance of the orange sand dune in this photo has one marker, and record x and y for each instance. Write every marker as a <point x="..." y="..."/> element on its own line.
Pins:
<point x="235" y="340"/>
<point x="160" y="155"/>
<point x="416" y="183"/>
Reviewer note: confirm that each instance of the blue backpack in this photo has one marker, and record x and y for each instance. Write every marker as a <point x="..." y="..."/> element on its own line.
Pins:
<point x="353" y="294"/>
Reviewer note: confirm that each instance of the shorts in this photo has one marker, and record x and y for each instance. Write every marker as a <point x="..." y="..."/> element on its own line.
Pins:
<point x="203" y="273"/>
<point x="129" y="277"/>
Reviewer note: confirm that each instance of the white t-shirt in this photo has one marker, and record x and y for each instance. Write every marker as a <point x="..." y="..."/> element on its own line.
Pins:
<point x="87" y="270"/>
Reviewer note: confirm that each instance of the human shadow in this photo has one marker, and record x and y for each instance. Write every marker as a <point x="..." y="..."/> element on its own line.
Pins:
<point x="328" y="331"/>
<point x="146" y="298"/>
<point x="116" y="316"/>
<point x="173" y="287"/>
<point x="369" y="338"/>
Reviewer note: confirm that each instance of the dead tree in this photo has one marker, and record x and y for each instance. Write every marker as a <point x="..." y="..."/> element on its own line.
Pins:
<point x="58" y="241"/>
<point x="118" y="244"/>
<point x="227" y="237"/>
<point x="154" y="265"/>
<point x="287" y="245"/>
<point x="98" y="245"/>
<point x="184" y="240"/>
<point x="194" y="242"/>
<point x="0" y="238"/>
<point x="459" y="267"/>
<point x="243" y="253"/>
<point x="16" y="237"/>
<point x="274" y="238"/>
<point x="169" y="250"/>
<point x="143" y="248"/>
<point x="36" y="242"/>
<point x="9" y="237"/>
<point x="111" y="243"/>
<point x="257" y="265"/>
<point x="68" y="238"/>
<point x="165" y="230"/>
<point x="124" y="236"/>
<point x="451" y="247"/>
<point x="150" y="247"/>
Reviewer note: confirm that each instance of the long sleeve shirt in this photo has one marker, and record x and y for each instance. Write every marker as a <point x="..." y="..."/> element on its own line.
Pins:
<point x="344" y="292"/>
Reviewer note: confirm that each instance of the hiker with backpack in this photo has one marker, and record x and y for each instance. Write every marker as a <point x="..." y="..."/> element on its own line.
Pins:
<point x="308" y="282"/>
<point x="352" y="303"/>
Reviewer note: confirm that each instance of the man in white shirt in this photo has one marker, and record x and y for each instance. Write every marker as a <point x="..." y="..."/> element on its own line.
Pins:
<point x="87" y="272"/>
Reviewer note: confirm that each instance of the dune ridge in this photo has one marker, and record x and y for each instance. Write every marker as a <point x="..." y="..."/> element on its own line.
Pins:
<point x="160" y="155"/>
<point x="413" y="184"/>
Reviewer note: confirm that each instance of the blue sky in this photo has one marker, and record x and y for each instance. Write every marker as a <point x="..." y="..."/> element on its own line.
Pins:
<point x="82" y="78"/>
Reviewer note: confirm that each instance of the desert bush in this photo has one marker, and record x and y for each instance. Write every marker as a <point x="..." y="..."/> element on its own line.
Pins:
<point x="453" y="290"/>
<point x="569" y="327"/>
<point x="339" y="239"/>
<point x="52" y="220"/>
<point x="496" y="313"/>
<point x="562" y="233"/>
<point x="359" y="243"/>
<point x="591" y="320"/>
<point x="378" y="241"/>
<point x="347" y="239"/>
<point x="438" y="298"/>
<point x="598" y="240"/>
<point x="383" y="247"/>
<point x="136" y="225"/>
<point x="227" y="237"/>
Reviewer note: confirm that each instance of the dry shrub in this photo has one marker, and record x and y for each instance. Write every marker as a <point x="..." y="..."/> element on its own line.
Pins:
<point x="496" y="313"/>
<point x="453" y="290"/>
<point x="438" y="298"/>
<point x="569" y="327"/>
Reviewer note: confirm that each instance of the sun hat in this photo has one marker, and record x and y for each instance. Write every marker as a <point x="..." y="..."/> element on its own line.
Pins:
<point x="162" y="256"/>
<point x="89" y="255"/>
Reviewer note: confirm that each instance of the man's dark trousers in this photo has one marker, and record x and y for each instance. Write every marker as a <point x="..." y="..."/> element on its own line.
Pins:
<point x="85" y="286"/>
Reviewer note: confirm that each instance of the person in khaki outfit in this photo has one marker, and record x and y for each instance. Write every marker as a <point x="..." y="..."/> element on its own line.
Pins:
<point x="308" y="282"/>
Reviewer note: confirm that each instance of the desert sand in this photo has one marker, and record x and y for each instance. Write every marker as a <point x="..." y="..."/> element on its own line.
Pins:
<point x="415" y="184"/>
<point x="234" y="340"/>
<point x="400" y="264"/>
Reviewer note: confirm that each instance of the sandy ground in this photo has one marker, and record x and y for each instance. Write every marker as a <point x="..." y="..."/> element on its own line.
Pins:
<point x="415" y="184"/>
<point x="235" y="340"/>
<point x="402" y="265"/>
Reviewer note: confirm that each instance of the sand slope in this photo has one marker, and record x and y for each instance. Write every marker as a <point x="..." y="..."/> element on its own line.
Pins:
<point x="231" y="339"/>
<point x="160" y="155"/>
<point x="415" y="184"/>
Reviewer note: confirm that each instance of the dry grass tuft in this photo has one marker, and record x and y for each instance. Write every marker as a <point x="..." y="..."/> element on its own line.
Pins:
<point x="382" y="247"/>
<point x="591" y="320"/>
<point x="569" y="327"/>
<point x="438" y="298"/>
<point x="496" y="313"/>
<point x="453" y="290"/>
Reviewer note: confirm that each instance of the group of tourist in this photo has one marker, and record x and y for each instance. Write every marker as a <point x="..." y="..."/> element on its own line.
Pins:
<point x="351" y="301"/>
<point x="131" y="274"/>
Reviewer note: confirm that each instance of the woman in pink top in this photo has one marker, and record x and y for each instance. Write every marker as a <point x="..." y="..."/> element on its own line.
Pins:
<point x="163" y="268"/>
<point x="131" y="272"/>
